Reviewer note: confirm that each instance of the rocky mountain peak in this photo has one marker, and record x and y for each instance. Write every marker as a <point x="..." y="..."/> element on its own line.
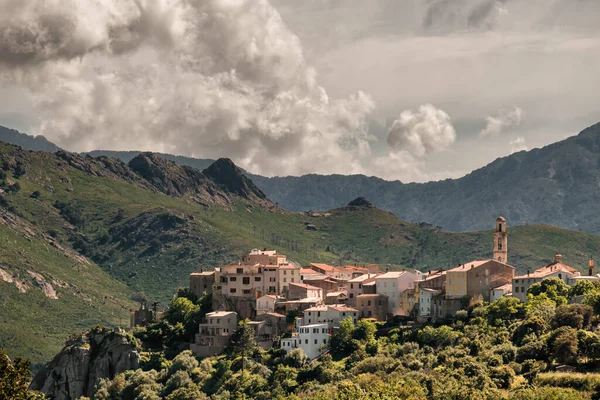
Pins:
<point x="229" y="177"/>
<point x="360" y="202"/>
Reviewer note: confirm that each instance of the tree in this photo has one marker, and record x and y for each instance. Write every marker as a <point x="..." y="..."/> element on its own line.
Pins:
<point x="583" y="287"/>
<point x="341" y="342"/>
<point x="14" y="376"/>
<point x="504" y="310"/>
<point x="242" y="341"/>
<point x="564" y="345"/>
<point x="554" y="288"/>
<point x="576" y="316"/>
<point x="180" y="310"/>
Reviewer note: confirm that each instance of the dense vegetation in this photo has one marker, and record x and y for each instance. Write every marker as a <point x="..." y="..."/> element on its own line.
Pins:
<point x="500" y="350"/>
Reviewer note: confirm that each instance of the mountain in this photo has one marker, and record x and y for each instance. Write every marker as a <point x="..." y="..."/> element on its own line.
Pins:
<point x="37" y="143"/>
<point x="556" y="185"/>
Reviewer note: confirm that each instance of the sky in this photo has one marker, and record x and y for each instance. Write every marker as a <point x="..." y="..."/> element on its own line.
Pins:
<point x="411" y="90"/>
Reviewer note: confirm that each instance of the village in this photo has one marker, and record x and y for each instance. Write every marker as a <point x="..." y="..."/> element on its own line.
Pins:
<point x="265" y="288"/>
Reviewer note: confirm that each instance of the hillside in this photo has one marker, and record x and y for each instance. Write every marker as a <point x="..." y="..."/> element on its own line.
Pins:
<point x="555" y="185"/>
<point x="149" y="223"/>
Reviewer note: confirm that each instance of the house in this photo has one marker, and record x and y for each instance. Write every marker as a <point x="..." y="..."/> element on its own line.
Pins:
<point x="327" y="283"/>
<point x="268" y="328"/>
<point x="266" y="303"/>
<point x="331" y="314"/>
<point x="299" y="291"/>
<point x="369" y="287"/>
<point x="392" y="283"/>
<point x="214" y="334"/>
<point x="202" y="282"/>
<point x="372" y="306"/>
<point x="307" y="273"/>
<point x="141" y="317"/>
<point x="241" y="280"/>
<point x="355" y="286"/>
<point x="408" y="301"/>
<point x="312" y="339"/>
<point x="501" y="291"/>
<point x="264" y="257"/>
<point x="477" y="278"/>
<point x="288" y="274"/>
<point x="300" y="304"/>
<point x="426" y="297"/>
<point x="557" y="269"/>
<point x="339" y="297"/>
<point x="324" y="269"/>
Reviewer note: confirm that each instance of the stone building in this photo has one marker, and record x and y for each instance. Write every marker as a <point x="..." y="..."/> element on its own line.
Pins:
<point x="202" y="282"/>
<point x="557" y="269"/>
<point x="355" y="286"/>
<point x="500" y="252"/>
<point x="372" y="306"/>
<point x="299" y="291"/>
<point x="214" y="334"/>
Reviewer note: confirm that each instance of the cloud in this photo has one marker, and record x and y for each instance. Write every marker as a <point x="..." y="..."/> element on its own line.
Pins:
<point x="199" y="78"/>
<point x="501" y="121"/>
<point x="421" y="132"/>
<point x="518" y="144"/>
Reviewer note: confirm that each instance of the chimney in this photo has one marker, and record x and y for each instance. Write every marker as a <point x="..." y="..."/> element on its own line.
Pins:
<point x="592" y="265"/>
<point x="557" y="258"/>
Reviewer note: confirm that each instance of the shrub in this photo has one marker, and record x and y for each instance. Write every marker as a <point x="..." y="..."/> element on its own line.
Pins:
<point x="573" y="380"/>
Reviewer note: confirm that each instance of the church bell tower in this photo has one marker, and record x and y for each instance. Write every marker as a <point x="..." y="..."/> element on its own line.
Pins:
<point x="501" y="241"/>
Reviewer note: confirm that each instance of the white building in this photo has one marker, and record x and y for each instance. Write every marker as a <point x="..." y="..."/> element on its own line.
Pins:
<point x="310" y="338"/>
<point x="266" y="303"/>
<point x="355" y="287"/>
<point x="329" y="314"/>
<point x="426" y="296"/>
<point x="393" y="283"/>
<point x="501" y="291"/>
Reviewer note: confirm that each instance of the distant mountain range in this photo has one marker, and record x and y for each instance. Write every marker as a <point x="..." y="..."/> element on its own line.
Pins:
<point x="558" y="184"/>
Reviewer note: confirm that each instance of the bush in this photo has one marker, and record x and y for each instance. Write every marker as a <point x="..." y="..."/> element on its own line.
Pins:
<point x="35" y="195"/>
<point x="573" y="380"/>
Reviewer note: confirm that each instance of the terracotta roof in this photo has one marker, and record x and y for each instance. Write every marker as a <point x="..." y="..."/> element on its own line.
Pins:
<point x="218" y="314"/>
<point x="362" y="278"/>
<point x="469" y="265"/>
<point x="549" y="270"/>
<point x="343" y="308"/>
<point x="324" y="267"/>
<point x="309" y="271"/>
<point x="204" y="273"/>
<point x="305" y="286"/>
<point x="317" y="308"/>
<point x="391" y="275"/>
<point x="505" y="288"/>
<point x="433" y="275"/>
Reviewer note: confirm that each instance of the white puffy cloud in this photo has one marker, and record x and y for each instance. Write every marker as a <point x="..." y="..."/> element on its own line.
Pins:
<point x="505" y="119"/>
<point x="205" y="78"/>
<point x="518" y="144"/>
<point x="421" y="132"/>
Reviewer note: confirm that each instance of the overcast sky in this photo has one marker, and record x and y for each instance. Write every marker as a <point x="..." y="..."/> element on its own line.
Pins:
<point x="413" y="90"/>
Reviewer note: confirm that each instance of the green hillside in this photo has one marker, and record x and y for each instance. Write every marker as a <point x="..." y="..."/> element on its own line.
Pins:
<point x="149" y="228"/>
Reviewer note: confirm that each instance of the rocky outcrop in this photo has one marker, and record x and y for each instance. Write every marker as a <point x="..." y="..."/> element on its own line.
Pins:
<point x="360" y="202"/>
<point x="230" y="178"/>
<point x="97" y="354"/>
<point x="175" y="180"/>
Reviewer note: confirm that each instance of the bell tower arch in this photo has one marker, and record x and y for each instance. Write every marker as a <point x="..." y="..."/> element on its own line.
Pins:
<point x="501" y="241"/>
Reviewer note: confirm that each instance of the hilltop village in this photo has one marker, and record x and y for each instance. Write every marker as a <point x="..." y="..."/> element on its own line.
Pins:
<point x="296" y="306"/>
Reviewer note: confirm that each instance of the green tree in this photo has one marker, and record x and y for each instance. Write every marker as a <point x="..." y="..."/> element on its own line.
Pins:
<point x="505" y="310"/>
<point x="341" y="342"/>
<point x="576" y="316"/>
<point x="243" y="341"/>
<point x="180" y="310"/>
<point x="14" y="377"/>
<point x="583" y="287"/>
<point x="554" y="288"/>
<point x="564" y="345"/>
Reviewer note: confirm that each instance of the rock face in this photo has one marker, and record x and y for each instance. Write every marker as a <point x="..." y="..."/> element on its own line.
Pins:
<point x="100" y="353"/>
<point x="360" y="202"/>
<point x="230" y="178"/>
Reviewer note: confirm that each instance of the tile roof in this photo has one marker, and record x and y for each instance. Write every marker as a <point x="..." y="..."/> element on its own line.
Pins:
<point x="391" y="275"/>
<point x="505" y="288"/>
<point x="549" y="270"/>
<point x="317" y="308"/>
<point x="342" y="308"/>
<point x="469" y="265"/>
<point x="218" y="314"/>
<point x="324" y="267"/>
<point x="362" y="278"/>
<point x="309" y="271"/>
<point x="305" y="286"/>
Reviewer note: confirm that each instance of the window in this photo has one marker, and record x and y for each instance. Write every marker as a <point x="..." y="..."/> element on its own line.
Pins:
<point x="305" y="341"/>
<point x="369" y="302"/>
<point x="351" y="295"/>
<point x="315" y="330"/>
<point x="343" y="314"/>
<point x="233" y="279"/>
<point x="315" y="341"/>
<point x="292" y="279"/>
<point x="239" y="270"/>
<point x="257" y="279"/>
<point x="517" y="289"/>
<point x="370" y="310"/>
<point x="218" y="321"/>
<point x="318" y="313"/>
<point x="379" y="302"/>
<point x="323" y="330"/>
<point x="352" y="286"/>
<point x="232" y="290"/>
<point x="247" y="291"/>
<point x="246" y="280"/>
<point x="284" y="280"/>
<point x="284" y="272"/>
<point x="223" y="279"/>
<point x="324" y="341"/>
<point x="205" y="286"/>
<point x="499" y="245"/>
